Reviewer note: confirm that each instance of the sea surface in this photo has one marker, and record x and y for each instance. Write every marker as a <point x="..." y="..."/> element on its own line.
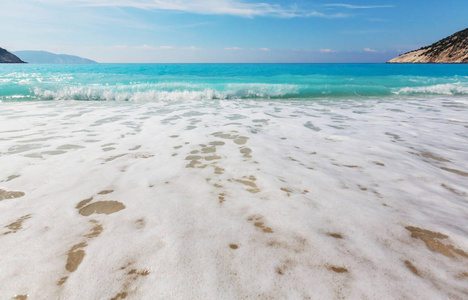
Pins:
<point x="234" y="181"/>
<point x="153" y="82"/>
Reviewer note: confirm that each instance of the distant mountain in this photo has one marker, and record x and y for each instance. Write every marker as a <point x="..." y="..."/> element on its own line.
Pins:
<point x="43" y="57"/>
<point x="452" y="49"/>
<point x="8" y="58"/>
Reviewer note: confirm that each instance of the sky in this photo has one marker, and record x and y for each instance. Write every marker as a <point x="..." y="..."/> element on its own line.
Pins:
<point x="229" y="31"/>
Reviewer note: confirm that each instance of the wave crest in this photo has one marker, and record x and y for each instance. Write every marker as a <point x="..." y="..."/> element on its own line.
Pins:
<point x="449" y="89"/>
<point x="179" y="91"/>
<point x="106" y="93"/>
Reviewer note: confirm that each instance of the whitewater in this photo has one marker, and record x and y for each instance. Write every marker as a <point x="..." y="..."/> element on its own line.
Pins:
<point x="234" y="181"/>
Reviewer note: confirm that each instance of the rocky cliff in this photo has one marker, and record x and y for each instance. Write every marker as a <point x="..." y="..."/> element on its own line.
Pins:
<point x="452" y="49"/>
<point x="8" y="58"/>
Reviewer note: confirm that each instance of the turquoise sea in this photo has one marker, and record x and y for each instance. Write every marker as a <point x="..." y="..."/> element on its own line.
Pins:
<point x="152" y="82"/>
<point x="234" y="181"/>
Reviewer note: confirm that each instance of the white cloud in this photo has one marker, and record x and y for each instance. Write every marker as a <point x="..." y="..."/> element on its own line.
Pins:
<point x="191" y="48"/>
<point x="327" y="51"/>
<point x="207" y="7"/>
<point x="233" y="48"/>
<point x="264" y="49"/>
<point x="327" y="16"/>
<point x="146" y="47"/>
<point x="357" y="6"/>
<point x="369" y="50"/>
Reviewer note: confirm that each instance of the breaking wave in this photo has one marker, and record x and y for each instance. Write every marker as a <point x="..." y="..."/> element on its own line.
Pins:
<point x="450" y="89"/>
<point x="231" y="91"/>
<point x="234" y="91"/>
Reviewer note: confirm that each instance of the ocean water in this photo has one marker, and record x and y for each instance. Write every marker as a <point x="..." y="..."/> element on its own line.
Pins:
<point x="153" y="82"/>
<point x="234" y="181"/>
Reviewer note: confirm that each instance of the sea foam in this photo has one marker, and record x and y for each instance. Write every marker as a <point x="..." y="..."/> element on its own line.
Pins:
<point x="234" y="199"/>
<point x="438" y="89"/>
<point x="167" y="91"/>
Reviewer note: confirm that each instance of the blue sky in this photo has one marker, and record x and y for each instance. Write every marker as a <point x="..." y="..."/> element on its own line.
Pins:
<point x="229" y="30"/>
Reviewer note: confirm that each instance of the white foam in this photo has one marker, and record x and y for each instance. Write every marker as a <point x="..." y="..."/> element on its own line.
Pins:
<point x="438" y="89"/>
<point x="174" y="92"/>
<point x="288" y="175"/>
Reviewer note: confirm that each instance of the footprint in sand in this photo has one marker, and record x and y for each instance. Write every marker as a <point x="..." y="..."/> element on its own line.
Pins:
<point x="259" y="223"/>
<point x="17" y="225"/>
<point x="433" y="241"/>
<point x="99" y="207"/>
<point x="249" y="182"/>
<point x="76" y="253"/>
<point x="131" y="275"/>
<point x="4" y="194"/>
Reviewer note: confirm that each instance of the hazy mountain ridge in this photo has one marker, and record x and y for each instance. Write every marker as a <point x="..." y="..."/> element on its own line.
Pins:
<point x="44" y="57"/>
<point x="452" y="49"/>
<point x="7" y="57"/>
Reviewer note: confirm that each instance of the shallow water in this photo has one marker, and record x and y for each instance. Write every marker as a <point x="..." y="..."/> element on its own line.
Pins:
<point x="310" y="198"/>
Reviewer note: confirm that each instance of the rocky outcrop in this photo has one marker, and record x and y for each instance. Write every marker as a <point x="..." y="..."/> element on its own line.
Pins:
<point x="452" y="49"/>
<point x="8" y="58"/>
